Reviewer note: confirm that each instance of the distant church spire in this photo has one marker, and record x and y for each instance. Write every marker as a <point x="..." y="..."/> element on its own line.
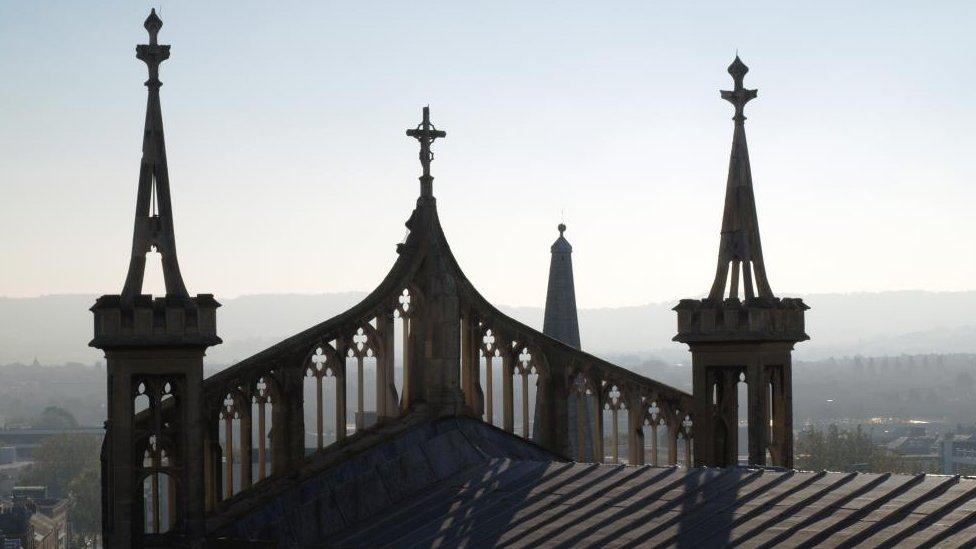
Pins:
<point x="154" y="212"/>
<point x="740" y="247"/>
<point x="561" y="321"/>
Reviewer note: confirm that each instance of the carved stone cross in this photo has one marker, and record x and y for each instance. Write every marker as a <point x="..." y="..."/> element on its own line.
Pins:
<point x="426" y="133"/>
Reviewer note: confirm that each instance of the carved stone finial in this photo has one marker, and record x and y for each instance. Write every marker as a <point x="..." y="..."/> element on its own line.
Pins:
<point x="739" y="95"/>
<point x="738" y="70"/>
<point x="153" y="24"/>
<point x="153" y="53"/>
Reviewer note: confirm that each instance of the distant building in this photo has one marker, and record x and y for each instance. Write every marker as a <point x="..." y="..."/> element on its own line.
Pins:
<point x="14" y="525"/>
<point x="10" y="468"/>
<point x="957" y="454"/>
<point x="23" y="442"/>
<point x="922" y="450"/>
<point x="31" y="520"/>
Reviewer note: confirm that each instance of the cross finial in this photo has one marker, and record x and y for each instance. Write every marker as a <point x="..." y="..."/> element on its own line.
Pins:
<point x="739" y="96"/>
<point x="426" y="133"/>
<point x="153" y="53"/>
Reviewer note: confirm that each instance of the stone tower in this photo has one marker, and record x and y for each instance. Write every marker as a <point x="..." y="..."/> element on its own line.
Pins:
<point x="741" y="338"/>
<point x="152" y="456"/>
<point x="561" y="321"/>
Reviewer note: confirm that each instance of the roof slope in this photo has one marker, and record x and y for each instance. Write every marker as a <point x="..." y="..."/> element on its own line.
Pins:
<point x="531" y="504"/>
<point x="371" y="472"/>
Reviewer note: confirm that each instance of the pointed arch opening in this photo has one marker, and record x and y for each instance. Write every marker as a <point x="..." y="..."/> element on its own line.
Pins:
<point x="616" y="424"/>
<point x="526" y="379"/>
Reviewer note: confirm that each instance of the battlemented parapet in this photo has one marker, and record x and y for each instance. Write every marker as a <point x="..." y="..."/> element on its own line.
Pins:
<point x="756" y="319"/>
<point x="160" y="321"/>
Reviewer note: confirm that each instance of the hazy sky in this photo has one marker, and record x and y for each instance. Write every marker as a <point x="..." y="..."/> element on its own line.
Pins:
<point x="290" y="170"/>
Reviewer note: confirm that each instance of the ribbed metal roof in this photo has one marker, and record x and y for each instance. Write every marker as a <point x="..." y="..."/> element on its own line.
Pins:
<point x="529" y="503"/>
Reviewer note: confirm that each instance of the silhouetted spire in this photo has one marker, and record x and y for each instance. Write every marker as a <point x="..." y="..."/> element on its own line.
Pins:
<point x="740" y="246"/>
<point x="426" y="134"/>
<point x="154" y="211"/>
<point x="561" y="321"/>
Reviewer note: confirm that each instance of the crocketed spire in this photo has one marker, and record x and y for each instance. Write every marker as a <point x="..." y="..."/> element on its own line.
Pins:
<point x="153" y="228"/>
<point x="740" y="248"/>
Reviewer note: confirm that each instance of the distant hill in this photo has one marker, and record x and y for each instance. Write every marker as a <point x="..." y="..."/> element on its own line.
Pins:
<point x="56" y="329"/>
<point x="905" y="322"/>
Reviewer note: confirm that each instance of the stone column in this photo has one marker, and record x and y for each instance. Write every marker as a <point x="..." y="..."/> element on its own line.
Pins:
<point x="508" y="398"/>
<point x="341" y="400"/>
<point x="471" y="365"/>
<point x="406" y="397"/>
<point x="247" y="446"/>
<point x="758" y="411"/>
<point x="781" y="447"/>
<point x="194" y="413"/>
<point x="552" y="398"/>
<point x="290" y="422"/>
<point x="122" y="505"/>
<point x="635" y="433"/>
<point x="211" y="462"/>
<point x="729" y="413"/>
<point x="386" y="398"/>
<point x="705" y="423"/>
<point x="598" y="427"/>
